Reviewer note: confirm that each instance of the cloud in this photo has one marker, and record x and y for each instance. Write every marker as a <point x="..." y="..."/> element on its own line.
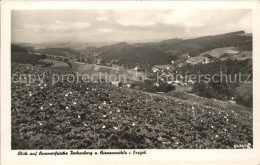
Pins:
<point x="134" y="18"/>
<point x="58" y="26"/>
<point x="102" y="16"/>
<point x="105" y="30"/>
<point x="125" y="25"/>
<point x="186" y="19"/>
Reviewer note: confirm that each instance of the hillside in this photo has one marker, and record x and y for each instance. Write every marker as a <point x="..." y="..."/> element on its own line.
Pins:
<point x="93" y="115"/>
<point x="59" y="51"/>
<point x="163" y="52"/>
<point x="18" y="49"/>
<point x="21" y="55"/>
<point x="132" y="55"/>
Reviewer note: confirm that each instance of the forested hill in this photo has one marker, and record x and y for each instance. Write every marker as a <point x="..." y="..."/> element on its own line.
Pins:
<point x="20" y="55"/>
<point x="18" y="49"/>
<point x="164" y="51"/>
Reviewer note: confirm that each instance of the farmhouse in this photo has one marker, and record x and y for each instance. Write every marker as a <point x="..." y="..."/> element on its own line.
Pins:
<point x="206" y="60"/>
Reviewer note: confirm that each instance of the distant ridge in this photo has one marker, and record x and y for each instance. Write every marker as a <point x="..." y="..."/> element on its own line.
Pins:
<point x="160" y="53"/>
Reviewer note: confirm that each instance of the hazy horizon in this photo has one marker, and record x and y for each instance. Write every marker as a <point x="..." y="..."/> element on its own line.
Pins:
<point x="112" y="26"/>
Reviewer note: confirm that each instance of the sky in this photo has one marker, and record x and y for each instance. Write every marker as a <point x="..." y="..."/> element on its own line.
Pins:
<point x="33" y="26"/>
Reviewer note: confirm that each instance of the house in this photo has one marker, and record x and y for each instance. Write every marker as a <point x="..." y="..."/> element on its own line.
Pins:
<point x="156" y="84"/>
<point x="137" y="68"/>
<point x="206" y="60"/>
<point x="155" y="69"/>
<point x="116" y="83"/>
<point x="191" y="81"/>
<point x="99" y="61"/>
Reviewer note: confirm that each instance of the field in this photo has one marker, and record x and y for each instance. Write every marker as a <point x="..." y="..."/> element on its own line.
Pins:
<point x="56" y="63"/>
<point x="125" y="75"/>
<point x="219" y="51"/>
<point x="232" y="52"/>
<point x="93" y="115"/>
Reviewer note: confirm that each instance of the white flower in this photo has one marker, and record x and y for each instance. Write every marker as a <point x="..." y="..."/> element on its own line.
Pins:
<point x="110" y="112"/>
<point x="67" y="107"/>
<point x="74" y="103"/>
<point x="113" y="118"/>
<point x="39" y="84"/>
<point x="133" y="124"/>
<point x="85" y="125"/>
<point x="104" y="103"/>
<point x="192" y="107"/>
<point x="45" y="85"/>
<point x="235" y="126"/>
<point x="104" y="116"/>
<point x="115" y="128"/>
<point x="66" y="95"/>
<point x="177" y="143"/>
<point x="212" y="126"/>
<point x="40" y="123"/>
<point x="41" y="87"/>
<point x="79" y="116"/>
<point x="103" y="126"/>
<point x="118" y="110"/>
<point x="50" y="104"/>
<point x="41" y="107"/>
<point x="216" y="136"/>
<point x="30" y="94"/>
<point x="225" y="129"/>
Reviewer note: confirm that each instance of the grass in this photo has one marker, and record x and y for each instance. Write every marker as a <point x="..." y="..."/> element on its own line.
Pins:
<point x="56" y="63"/>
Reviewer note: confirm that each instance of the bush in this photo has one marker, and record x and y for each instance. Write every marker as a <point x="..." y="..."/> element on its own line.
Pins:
<point x="246" y="100"/>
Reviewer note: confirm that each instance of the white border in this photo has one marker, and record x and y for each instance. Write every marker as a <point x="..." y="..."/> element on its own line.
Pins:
<point x="183" y="156"/>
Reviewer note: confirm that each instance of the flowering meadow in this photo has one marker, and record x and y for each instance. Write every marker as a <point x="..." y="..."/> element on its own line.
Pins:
<point x="102" y="116"/>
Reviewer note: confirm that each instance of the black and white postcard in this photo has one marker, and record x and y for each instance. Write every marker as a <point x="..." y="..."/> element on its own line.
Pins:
<point x="130" y="82"/>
